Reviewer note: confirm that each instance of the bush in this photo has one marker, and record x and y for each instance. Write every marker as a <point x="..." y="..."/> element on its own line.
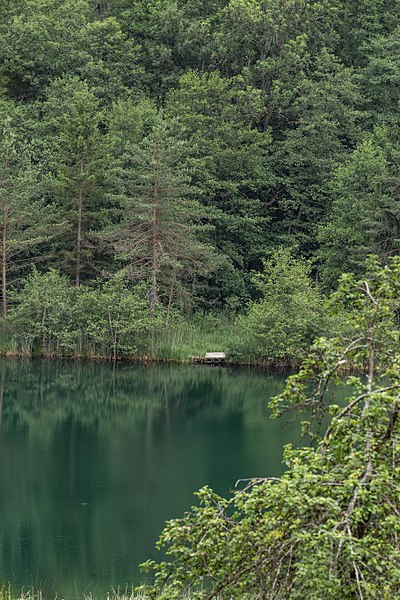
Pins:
<point x="53" y="317"/>
<point x="281" y="326"/>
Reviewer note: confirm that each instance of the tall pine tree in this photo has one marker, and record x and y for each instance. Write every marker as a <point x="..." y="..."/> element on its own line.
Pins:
<point x="156" y="237"/>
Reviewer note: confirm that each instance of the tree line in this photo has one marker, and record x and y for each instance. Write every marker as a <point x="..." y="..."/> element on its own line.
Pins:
<point x="179" y="145"/>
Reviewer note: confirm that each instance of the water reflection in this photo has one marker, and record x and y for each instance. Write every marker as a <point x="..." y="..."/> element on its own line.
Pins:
<point x="94" y="459"/>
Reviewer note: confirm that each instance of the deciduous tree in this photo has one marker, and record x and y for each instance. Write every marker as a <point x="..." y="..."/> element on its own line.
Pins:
<point x="365" y="215"/>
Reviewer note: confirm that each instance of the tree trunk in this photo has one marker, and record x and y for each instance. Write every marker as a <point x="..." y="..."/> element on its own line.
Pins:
<point x="79" y="228"/>
<point x="154" y="239"/>
<point x="4" y="245"/>
<point x="171" y="293"/>
<point x="4" y="262"/>
<point x="2" y="386"/>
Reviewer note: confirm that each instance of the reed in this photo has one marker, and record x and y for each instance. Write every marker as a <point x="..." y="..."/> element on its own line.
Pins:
<point x="6" y="593"/>
<point x="183" y="339"/>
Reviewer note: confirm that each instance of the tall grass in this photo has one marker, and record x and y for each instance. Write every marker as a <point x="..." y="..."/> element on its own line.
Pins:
<point x="6" y="593"/>
<point x="183" y="340"/>
<point x="180" y="340"/>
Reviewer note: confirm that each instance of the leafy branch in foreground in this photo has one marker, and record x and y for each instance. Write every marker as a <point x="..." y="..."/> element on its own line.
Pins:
<point x="329" y="527"/>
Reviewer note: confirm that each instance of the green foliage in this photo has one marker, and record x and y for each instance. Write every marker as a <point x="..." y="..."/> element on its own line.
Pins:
<point x="227" y="161"/>
<point x="329" y="526"/>
<point x="279" y="127"/>
<point x="111" y="62"/>
<point x="185" y="337"/>
<point x="365" y="217"/>
<point x="325" y="114"/>
<point x="173" y="37"/>
<point x="251" y="34"/>
<point x="366" y="20"/>
<point x="380" y="79"/>
<point x="26" y="221"/>
<point x="43" y="40"/>
<point x="42" y="318"/>
<point x="54" y="318"/>
<point x="281" y="325"/>
<point x="72" y="121"/>
<point x="115" y="320"/>
<point x="34" y="41"/>
<point x="267" y="115"/>
<point x="157" y="235"/>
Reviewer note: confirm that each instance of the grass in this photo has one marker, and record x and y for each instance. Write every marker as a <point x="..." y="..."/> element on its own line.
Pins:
<point x="183" y="340"/>
<point x="6" y="593"/>
<point x="179" y="341"/>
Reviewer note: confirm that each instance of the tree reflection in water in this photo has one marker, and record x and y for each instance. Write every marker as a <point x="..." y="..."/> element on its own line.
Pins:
<point x="95" y="458"/>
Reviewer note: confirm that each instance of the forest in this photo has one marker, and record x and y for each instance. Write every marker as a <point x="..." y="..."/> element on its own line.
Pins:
<point x="177" y="174"/>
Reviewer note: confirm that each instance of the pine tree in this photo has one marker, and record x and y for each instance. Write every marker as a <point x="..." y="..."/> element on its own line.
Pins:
<point x="156" y="237"/>
<point x="72" y="127"/>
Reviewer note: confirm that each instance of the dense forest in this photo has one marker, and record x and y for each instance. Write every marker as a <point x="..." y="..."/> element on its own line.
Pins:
<point x="171" y="170"/>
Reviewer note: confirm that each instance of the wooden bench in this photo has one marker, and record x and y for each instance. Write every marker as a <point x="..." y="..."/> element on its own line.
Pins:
<point x="214" y="358"/>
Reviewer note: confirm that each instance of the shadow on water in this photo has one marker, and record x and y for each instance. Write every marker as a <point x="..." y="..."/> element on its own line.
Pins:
<point x="94" y="459"/>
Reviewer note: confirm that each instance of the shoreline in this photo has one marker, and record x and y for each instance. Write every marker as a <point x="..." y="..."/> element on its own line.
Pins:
<point x="145" y="359"/>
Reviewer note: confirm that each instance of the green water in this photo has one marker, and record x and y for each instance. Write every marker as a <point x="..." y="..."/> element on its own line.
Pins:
<point x="94" y="460"/>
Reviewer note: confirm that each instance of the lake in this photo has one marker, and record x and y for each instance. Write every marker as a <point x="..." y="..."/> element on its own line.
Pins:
<point x="95" y="458"/>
